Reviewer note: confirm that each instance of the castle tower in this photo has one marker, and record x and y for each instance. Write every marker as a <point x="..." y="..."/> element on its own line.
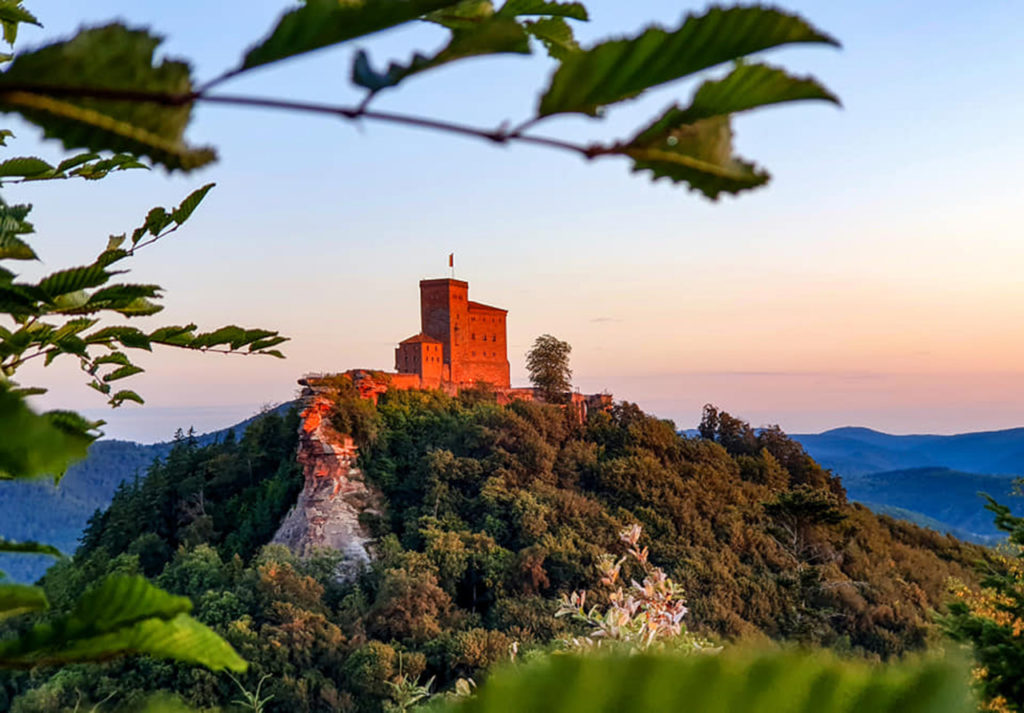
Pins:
<point x="444" y="314"/>
<point x="472" y="335"/>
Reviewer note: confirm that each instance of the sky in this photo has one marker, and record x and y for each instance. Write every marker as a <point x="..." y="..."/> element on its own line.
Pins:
<point x="874" y="282"/>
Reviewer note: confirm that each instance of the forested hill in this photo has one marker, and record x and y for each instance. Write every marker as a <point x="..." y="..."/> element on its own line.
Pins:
<point x="491" y="514"/>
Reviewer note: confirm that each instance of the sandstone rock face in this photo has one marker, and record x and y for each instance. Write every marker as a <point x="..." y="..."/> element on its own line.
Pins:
<point x="334" y="495"/>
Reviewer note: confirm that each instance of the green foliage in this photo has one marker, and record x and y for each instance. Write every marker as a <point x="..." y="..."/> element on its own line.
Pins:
<point x="991" y="619"/>
<point x="320" y="23"/>
<point x="491" y="515"/>
<point x="548" y="365"/>
<point x="621" y="69"/>
<point x="17" y="599"/>
<point x="694" y="144"/>
<point x="61" y="315"/>
<point x="105" y="60"/>
<point x="45" y="444"/>
<point x="33" y="548"/>
<point x="775" y="682"/>
<point x="122" y="614"/>
<point x="103" y="91"/>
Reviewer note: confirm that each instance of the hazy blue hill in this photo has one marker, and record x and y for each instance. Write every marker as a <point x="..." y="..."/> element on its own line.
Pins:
<point x="853" y="451"/>
<point x="56" y="515"/>
<point x="948" y="498"/>
<point x="931" y="523"/>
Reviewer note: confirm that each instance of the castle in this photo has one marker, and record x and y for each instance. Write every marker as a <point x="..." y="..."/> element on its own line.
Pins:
<point x="461" y="344"/>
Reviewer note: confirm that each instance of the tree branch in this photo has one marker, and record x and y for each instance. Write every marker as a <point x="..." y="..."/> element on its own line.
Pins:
<point x="500" y="135"/>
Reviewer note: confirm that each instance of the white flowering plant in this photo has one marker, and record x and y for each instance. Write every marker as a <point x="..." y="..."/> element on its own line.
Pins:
<point x="642" y="616"/>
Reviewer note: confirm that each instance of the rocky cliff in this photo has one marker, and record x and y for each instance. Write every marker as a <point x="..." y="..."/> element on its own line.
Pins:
<point x="334" y="495"/>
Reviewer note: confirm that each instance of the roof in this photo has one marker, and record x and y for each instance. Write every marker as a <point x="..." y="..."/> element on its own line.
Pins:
<point x="420" y="338"/>
<point x="478" y="307"/>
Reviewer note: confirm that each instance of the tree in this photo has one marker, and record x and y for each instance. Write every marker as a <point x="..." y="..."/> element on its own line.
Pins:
<point x="548" y="364"/>
<point x="991" y="619"/>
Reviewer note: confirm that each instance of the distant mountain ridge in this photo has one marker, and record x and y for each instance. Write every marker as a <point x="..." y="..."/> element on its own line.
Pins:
<point x="934" y="481"/>
<point x="854" y="450"/>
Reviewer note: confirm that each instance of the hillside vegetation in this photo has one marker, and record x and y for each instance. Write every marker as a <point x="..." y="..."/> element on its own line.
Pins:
<point x="492" y="513"/>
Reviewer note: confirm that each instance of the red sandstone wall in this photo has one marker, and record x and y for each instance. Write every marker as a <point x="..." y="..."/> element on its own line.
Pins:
<point x="485" y="357"/>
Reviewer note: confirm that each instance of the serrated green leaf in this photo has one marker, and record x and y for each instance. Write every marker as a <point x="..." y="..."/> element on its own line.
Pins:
<point x="191" y="202"/>
<point x="126" y="395"/>
<point x="622" y="69"/>
<point x="266" y="343"/>
<point x="46" y="444"/>
<point x="48" y="87"/>
<point x="114" y="242"/>
<point x="774" y="682"/>
<point x="156" y="220"/>
<point x="128" y="336"/>
<point x="123" y="373"/>
<point x="75" y="161"/>
<point x="102" y="388"/>
<point x="122" y="615"/>
<point x="491" y="36"/>
<point x="14" y="248"/>
<point x="516" y="8"/>
<point x="113" y="358"/>
<point x="463" y="15"/>
<point x="66" y="345"/>
<point x="173" y="335"/>
<point x="320" y="23"/>
<point x="74" y="326"/>
<point x="11" y="15"/>
<point x="224" y="335"/>
<point x="556" y="36"/>
<point x="29" y="548"/>
<point x="747" y="87"/>
<point x="24" y="166"/>
<point x="72" y="303"/>
<point x="29" y="391"/>
<point x="139" y="307"/>
<point x="73" y="279"/>
<point x="274" y="353"/>
<point x="16" y="599"/>
<point x="97" y="169"/>
<point x="700" y="155"/>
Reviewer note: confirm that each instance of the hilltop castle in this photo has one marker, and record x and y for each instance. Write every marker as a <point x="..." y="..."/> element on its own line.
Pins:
<point x="461" y="344"/>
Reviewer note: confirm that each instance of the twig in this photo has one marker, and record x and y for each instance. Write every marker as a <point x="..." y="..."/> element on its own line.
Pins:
<point x="499" y="135"/>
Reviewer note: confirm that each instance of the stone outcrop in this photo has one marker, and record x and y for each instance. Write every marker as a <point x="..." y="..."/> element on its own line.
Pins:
<point x="334" y="495"/>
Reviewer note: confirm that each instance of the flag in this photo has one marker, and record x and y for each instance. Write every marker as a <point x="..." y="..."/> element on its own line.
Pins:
<point x="451" y="259"/>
